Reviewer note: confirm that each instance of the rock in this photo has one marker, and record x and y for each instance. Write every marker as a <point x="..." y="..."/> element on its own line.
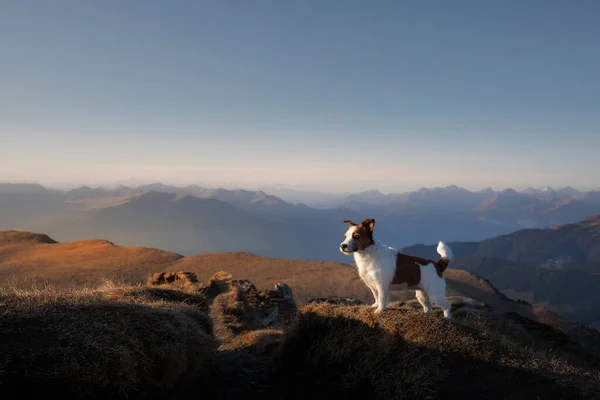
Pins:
<point x="163" y="278"/>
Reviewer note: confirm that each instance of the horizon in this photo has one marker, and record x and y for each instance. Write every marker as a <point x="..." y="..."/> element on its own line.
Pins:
<point x="341" y="98"/>
<point x="271" y="189"/>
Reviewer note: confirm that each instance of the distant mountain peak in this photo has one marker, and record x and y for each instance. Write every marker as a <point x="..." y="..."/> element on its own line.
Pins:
<point x="370" y="192"/>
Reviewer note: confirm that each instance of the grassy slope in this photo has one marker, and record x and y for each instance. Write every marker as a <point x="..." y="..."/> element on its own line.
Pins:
<point x="103" y="342"/>
<point x="74" y="264"/>
<point x="27" y="258"/>
<point x="142" y="342"/>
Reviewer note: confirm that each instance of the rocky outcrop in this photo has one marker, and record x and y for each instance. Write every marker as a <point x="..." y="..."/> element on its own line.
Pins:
<point x="269" y="308"/>
<point x="161" y="278"/>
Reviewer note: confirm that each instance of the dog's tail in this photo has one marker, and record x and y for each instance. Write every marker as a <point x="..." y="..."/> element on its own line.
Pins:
<point x="447" y="255"/>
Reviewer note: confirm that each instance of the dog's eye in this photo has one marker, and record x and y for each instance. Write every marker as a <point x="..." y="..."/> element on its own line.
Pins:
<point x="356" y="237"/>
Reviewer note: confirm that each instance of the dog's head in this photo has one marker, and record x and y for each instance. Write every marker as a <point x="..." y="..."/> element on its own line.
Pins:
<point x="358" y="236"/>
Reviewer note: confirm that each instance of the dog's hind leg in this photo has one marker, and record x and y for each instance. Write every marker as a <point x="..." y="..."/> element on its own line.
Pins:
<point x="423" y="298"/>
<point x="440" y="301"/>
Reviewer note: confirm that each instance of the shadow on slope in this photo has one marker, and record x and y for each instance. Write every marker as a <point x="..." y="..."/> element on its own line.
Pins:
<point x="404" y="354"/>
<point x="110" y="342"/>
<point x="229" y="340"/>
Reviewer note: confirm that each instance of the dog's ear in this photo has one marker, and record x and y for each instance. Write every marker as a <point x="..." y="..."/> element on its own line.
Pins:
<point x="369" y="223"/>
<point x="350" y="223"/>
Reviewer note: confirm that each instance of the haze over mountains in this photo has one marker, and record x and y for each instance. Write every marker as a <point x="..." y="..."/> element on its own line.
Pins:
<point x="193" y="219"/>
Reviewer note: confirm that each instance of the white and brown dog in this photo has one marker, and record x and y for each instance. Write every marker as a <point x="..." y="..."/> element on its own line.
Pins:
<point x="384" y="268"/>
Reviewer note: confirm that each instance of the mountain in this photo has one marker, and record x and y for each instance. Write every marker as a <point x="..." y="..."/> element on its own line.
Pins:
<point x="87" y="193"/>
<point x="312" y="198"/>
<point x="21" y="205"/>
<point x="568" y="246"/>
<point x="566" y="192"/>
<point x="279" y="228"/>
<point x="184" y="224"/>
<point x="253" y="201"/>
<point x="188" y="219"/>
<point x="558" y="267"/>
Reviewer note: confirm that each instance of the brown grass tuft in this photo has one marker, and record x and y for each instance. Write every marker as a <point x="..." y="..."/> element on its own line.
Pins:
<point x="232" y="314"/>
<point x="260" y="341"/>
<point x="108" y="342"/>
<point x="222" y="280"/>
<point x="183" y="279"/>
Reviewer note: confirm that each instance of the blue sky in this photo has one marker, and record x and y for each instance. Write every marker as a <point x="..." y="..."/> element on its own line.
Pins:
<point x="338" y="95"/>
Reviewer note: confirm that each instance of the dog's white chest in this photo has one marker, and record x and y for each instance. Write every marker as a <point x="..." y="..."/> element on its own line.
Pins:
<point x="376" y="264"/>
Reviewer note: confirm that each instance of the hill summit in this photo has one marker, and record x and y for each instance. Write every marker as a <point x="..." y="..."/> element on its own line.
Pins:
<point x="177" y="337"/>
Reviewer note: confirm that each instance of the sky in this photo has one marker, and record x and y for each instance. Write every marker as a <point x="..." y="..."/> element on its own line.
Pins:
<point x="329" y="95"/>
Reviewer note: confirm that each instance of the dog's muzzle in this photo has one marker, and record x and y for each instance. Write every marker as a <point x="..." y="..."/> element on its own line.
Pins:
<point x="345" y="249"/>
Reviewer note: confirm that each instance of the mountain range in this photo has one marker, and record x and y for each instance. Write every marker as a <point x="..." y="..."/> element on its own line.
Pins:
<point x="192" y="219"/>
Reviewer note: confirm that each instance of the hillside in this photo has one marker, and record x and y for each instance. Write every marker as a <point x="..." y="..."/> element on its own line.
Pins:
<point x="27" y="258"/>
<point x="173" y="342"/>
<point x="79" y="263"/>
<point x="551" y="267"/>
<point x="572" y="246"/>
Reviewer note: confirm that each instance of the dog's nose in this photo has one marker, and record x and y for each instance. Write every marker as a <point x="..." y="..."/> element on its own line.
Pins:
<point x="343" y="246"/>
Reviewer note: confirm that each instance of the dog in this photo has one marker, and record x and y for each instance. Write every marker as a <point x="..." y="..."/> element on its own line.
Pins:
<point x="385" y="269"/>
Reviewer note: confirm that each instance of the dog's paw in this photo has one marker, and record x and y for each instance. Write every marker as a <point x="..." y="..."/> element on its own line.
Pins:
<point x="379" y="310"/>
<point x="374" y="305"/>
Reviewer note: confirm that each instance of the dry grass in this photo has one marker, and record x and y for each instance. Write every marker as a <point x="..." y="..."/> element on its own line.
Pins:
<point x="244" y="369"/>
<point x="406" y="354"/>
<point x="183" y="279"/>
<point x="144" y="341"/>
<point x="308" y="279"/>
<point x="112" y="341"/>
<point x="33" y="258"/>
<point x="260" y="341"/>
<point x="231" y="314"/>
<point x="147" y="342"/>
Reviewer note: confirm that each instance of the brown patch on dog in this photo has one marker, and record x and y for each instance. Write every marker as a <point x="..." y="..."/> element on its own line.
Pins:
<point x="363" y="234"/>
<point x="408" y="268"/>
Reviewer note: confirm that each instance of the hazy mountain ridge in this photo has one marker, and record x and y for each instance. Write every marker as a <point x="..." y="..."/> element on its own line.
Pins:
<point x="186" y="223"/>
<point x="279" y="227"/>
<point x="558" y="266"/>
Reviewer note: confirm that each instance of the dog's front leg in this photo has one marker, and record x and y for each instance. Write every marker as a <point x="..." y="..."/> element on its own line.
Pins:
<point x="371" y="285"/>
<point x="375" y="295"/>
<point x="382" y="296"/>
